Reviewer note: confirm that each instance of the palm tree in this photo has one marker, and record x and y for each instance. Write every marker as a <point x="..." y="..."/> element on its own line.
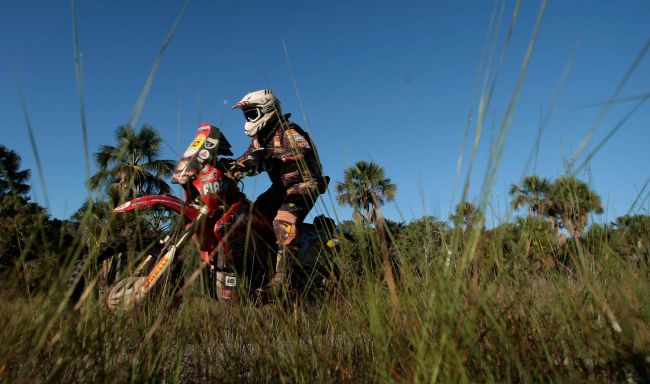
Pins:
<point x="466" y="215"/>
<point x="365" y="188"/>
<point x="531" y="194"/>
<point x="571" y="201"/>
<point x="132" y="168"/>
<point x="12" y="181"/>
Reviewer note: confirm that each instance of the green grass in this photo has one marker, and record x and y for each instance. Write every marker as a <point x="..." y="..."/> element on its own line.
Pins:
<point x="481" y="323"/>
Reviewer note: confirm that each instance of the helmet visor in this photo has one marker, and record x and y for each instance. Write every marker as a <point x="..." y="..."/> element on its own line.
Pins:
<point x="252" y="114"/>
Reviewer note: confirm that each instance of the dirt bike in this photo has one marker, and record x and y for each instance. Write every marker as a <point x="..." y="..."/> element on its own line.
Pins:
<point x="236" y="242"/>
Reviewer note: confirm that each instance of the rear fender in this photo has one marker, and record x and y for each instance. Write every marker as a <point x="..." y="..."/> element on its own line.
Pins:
<point x="172" y="203"/>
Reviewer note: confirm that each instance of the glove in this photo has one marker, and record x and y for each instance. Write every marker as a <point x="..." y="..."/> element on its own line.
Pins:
<point x="226" y="162"/>
<point x="239" y="171"/>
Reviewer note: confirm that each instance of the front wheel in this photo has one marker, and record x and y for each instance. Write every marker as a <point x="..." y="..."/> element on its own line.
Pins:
<point x="96" y="274"/>
<point x="98" y="270"/>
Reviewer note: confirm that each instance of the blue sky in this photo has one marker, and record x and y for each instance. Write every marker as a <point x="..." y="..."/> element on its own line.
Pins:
<point x="391" y="82"/>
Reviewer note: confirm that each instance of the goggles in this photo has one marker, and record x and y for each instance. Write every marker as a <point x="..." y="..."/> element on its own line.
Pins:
<point x="252" y="114"/>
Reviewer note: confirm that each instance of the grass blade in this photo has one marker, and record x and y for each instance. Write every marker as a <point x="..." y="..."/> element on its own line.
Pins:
<point x="139" y="105"/>
<point x="80" y="89"/>
<point x="32" y="140"/>
<point x="607" y="105"/>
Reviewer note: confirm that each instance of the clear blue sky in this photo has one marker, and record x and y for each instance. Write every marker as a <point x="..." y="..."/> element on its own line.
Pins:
<point x="386" y="81"/>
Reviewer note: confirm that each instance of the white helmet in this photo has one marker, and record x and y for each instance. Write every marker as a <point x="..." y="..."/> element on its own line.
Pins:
<point x="259" y="107"/>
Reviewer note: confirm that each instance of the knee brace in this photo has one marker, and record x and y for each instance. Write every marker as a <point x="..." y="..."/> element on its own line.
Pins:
<point x="284" y="227"/>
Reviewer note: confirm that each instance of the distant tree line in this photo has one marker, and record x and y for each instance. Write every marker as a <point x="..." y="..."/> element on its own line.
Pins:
<point x="554" y="229"/>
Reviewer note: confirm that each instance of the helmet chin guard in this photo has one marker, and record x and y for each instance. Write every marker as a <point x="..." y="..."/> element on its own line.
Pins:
<point x="259" y="108"/>
<point x="253" y="128"/>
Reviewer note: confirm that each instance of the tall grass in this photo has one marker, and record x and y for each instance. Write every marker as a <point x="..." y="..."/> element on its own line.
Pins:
<point x="499" y="320"/>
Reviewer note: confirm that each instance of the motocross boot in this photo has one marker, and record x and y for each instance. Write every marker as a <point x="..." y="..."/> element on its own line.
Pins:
<point x="280" y="280"/>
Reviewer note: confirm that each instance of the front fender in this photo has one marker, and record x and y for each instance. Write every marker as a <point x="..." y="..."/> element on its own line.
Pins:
<point x="176" y="205"/>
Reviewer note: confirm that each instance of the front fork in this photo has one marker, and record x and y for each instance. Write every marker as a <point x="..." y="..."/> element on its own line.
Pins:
<point x="222" y="284"/>
<point x="222" y="280"/>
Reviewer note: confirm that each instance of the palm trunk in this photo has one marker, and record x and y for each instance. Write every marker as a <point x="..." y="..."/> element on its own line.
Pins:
<point x="388" y="269"/>
<point x="21" y="269"/>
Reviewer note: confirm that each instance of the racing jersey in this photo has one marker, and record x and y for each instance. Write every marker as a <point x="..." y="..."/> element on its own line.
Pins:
<point x="289" y="159"/>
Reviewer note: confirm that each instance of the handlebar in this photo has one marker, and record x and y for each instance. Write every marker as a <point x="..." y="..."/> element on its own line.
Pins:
<point x="248" y="166"/>
<point x="234" y="170"/>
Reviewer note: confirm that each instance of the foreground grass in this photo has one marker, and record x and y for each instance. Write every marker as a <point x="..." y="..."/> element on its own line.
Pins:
<point x="589" y="322"/>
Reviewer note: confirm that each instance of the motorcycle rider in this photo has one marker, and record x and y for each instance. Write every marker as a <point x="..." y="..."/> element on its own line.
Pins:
<point x="287" y="154"/>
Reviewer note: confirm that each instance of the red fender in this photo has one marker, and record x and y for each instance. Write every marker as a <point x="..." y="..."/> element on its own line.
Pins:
<point x="172" y="203"/>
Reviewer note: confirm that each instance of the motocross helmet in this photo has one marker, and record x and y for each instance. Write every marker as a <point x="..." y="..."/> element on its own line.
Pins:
<point x="261" y="110"/>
